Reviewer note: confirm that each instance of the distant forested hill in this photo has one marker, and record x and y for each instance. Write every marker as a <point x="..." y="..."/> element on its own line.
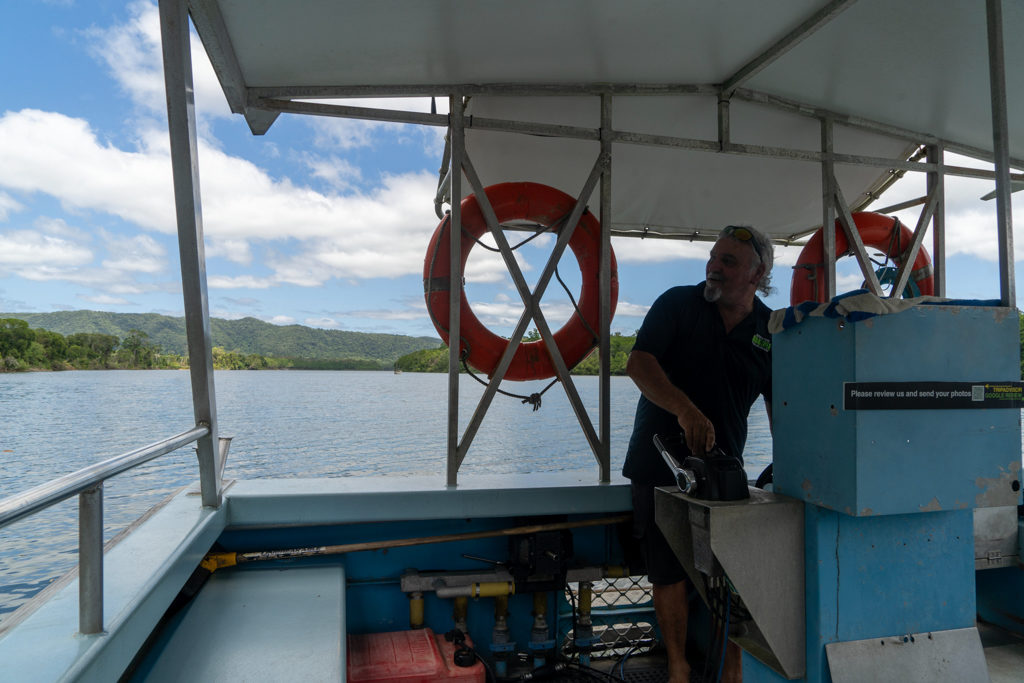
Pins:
<point x="247" y="335"/>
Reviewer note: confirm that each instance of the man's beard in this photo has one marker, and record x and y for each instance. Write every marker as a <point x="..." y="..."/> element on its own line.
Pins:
<point x="712" y="292"/>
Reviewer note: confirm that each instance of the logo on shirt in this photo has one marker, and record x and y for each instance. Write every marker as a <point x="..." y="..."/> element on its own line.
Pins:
<point x="761" y="343"/>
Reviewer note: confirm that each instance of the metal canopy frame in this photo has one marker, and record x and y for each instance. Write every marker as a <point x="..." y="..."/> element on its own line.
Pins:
<point x="461" y="163"/>
<point x="263" y="104"/>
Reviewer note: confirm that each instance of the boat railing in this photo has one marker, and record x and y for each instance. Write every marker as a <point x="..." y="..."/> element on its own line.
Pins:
<point x="87" y="484"/>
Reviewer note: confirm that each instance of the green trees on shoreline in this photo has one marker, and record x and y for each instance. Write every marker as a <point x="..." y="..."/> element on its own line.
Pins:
<point x="23" y="348"/>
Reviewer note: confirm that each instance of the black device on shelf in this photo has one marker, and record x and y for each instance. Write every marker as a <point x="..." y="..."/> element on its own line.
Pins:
<point x="716" y="476"/>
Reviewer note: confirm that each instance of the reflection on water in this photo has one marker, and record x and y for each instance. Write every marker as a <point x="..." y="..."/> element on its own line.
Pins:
<point x="284" y="424"/>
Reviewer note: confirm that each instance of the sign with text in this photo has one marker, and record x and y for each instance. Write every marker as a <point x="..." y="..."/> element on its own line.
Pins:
<point x="932" y="395"/>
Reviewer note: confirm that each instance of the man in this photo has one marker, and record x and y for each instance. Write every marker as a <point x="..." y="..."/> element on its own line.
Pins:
<point x="701" y="359"/>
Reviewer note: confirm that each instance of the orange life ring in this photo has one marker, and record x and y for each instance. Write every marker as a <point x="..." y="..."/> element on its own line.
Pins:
<point x="519" y="202"/>
<point x="876" y="230"/>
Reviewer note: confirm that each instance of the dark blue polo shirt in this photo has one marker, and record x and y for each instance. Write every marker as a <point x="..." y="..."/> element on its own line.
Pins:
<point x="723" y="374"/>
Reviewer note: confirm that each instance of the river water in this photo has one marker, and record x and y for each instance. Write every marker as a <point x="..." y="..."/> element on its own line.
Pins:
<point x="284" y="424"/>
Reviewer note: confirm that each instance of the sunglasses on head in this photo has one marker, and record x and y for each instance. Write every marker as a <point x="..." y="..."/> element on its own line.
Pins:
<point x="743" y="235"/>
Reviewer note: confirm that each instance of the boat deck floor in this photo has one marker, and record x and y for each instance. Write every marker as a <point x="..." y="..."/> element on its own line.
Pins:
<point x="288" y="624"/>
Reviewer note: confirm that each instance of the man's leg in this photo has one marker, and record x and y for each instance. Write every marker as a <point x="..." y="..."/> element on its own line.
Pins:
<point x="672" y="610"/>
<point x="733" y="669"/>
<point x="668" y="579"/>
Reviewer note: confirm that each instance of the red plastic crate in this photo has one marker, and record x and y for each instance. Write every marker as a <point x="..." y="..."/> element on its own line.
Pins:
<point x="417" y="656"/>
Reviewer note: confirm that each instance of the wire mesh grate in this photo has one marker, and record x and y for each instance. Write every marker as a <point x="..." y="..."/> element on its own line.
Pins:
<point x="622" y="617"/>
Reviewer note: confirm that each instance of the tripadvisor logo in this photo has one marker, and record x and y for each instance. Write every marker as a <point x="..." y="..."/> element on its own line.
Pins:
<point x="761" y="343"/>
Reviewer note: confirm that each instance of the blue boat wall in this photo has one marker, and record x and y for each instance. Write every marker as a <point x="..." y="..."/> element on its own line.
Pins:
<point x="270" y="619"/>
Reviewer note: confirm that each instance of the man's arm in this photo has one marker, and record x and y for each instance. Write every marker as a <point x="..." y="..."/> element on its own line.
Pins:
<point x="645" y="371"/>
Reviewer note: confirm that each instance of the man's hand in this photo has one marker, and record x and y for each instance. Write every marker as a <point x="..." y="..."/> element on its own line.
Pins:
<point x="700" y="433"/>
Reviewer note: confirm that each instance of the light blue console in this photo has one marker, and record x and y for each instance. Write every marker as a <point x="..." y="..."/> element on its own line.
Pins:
<point x="891" y="468"/>
<point x="909" y="460"/>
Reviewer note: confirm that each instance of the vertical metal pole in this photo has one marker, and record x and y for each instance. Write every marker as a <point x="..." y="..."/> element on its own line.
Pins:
<point x="458" y="136"/>
<point x="181" y="123"/>
<point x="1000" y="146"/>
<point x="937" y="183"/>
<point x="828" y="213"/>
<point x="723" y="122"/>
<point x="90" y="560"/>
<point x="605" y="290"/>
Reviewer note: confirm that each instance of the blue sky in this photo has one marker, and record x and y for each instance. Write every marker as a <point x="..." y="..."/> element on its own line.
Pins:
<point x="320" y="222"/>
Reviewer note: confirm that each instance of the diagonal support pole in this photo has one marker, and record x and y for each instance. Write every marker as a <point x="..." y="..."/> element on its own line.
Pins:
<point x="855" y="242"/>
<point x="907" y="264"/>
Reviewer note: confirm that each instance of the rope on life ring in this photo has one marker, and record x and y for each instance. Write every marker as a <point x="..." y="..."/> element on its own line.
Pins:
<point x="881" y="232"/>
<point x="481" y="348"/>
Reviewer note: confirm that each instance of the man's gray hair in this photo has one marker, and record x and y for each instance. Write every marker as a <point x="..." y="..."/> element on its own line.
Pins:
<point x="763" y="250"/>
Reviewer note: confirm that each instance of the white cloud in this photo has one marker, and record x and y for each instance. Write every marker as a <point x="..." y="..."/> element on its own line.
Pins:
<point x="339" y="173"/>
<point x="46" y="152"/>
<point x="105" y="300"/>
<point x="237" y="251"/>
<point x="38" y="256"/>
<point x="8" y="205"/>
<point x="382" y="233"/>
<point x="140" y="254"/>
<point x="29" y="253"/>
<point x="132" y="53"/>
<point x="239" y="282"/>
<point x="282" y="320"/>
<point x="329" y="323"/>
<point x="626" y="309"/>
<point x="390" y="314"/>
<point x="631" y="250"/>
<point x="60" y="228"/>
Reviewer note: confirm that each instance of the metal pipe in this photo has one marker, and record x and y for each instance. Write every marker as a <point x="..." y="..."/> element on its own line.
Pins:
<point x="43" y="496"/>
<point x="416" y="610"/>
<point x="458" y="136"/>
<point x="1000" y="147"/>
<point x="807" y="28"/>
<point x="271" y="99"/>
<point x="627" y="137"/>
<point x="723" y="122"/>
<point x="936" y="183"/>
<point x="854" y="241"/>
<point x="482" y="589"/>
<point x="224" y="446"/>
<point x="869" y="125"/>
<point x="910" y="203"/>
<point x="447" y="89"/>
<point x="540" y="642"/>
<point x="90" y="560"/>
<point x="909" y="255"/>
<point x="181" y="125"/>
<point x="604" y="455"/>
<point x="460" y="609"/>
<point x="215" y="561"/>
<point x="348" y="112"/>
<point x="828" y="214"/>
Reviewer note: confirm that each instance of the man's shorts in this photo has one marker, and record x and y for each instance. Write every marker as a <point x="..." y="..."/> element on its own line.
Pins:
<point x="662" y="566"/>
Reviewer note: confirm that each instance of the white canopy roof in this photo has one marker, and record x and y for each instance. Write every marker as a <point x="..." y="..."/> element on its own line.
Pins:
<point x="913" y="71"/>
